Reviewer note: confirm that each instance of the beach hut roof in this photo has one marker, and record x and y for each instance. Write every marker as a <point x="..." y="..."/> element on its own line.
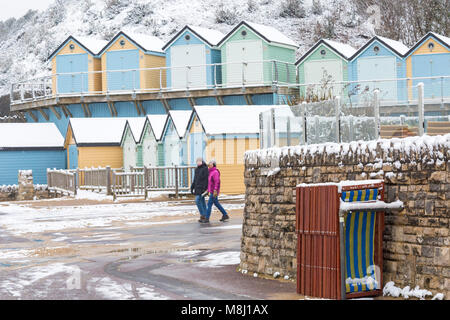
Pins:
<point x="210" y="36"/>
<point x="30" y="135"/>
<point x="157" y="122"/>
<point x="136" y="126"/>
<point x="143" y="41"/>
<point x="228" y="119"/>
<point x="180" y="120"/>
<point x="344" y="50"/>
<point x="443" y="39"/>
<point x="98" y="131"/>
<point x="270" y="34"/>
<point x="91" y="45"/>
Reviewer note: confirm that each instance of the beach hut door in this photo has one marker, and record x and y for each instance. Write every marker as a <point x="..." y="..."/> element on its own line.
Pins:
<point x="188" y="66"/>
<point x="244" y="64"/>
<point x="382" y="68"/>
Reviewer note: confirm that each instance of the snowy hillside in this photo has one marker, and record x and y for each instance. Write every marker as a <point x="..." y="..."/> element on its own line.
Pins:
<point x="26" y="43"/>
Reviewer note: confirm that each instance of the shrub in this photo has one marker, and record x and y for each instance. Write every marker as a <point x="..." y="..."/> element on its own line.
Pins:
<point x="292" y="9"/>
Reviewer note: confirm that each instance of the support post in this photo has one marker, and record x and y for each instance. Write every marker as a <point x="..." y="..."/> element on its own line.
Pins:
<point x="421" y="107"/>
<point x="108" y="181"/>
<point x="273" y="127"/>
<point x="342" y="255"/>
<point x="261" y="131"/>
<point x="305" y="125"/>
<point x="288" y="131"/>
<point x="376" y="96"/>
<point x="146" y="184"/>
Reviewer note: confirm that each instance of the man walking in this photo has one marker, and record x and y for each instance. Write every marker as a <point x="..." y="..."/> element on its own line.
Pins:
<point x="214" y="191"/>
<point x="200" y="186"/>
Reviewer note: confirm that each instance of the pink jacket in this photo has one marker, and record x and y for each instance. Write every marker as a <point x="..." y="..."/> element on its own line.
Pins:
<point x="214" y="180"/>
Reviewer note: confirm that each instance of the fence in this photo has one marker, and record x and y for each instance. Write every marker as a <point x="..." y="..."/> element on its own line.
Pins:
<point x="135" y="183"/>
<point x="196" y="77"/>
<point x="62" y="181"/>
<point x="338" y="120"/>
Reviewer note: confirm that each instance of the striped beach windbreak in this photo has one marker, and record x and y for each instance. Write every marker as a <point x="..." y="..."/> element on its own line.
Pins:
<point x="359" y="243"/>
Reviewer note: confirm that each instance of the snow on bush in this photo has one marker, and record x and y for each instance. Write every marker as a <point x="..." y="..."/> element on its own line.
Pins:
<point x="292" y="9"/>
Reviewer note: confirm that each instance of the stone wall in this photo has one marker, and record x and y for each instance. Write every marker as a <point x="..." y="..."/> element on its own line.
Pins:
<point x="10" y="193"/>
<point x="416" y="171"/>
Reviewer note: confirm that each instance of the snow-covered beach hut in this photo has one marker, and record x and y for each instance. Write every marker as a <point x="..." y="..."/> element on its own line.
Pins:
<point x="131" y="147"/>
<point x="381" y="59"/>
<point x="255" y="54"/>
<point x="429" y="57"/>
<point x="173" y="138"/>
<point x="326" y="62"/>
<point x="124" y="57"/>
<point x="95" y="142"/>
<point x="225" y="133"/>
<point x="76" y="66"/>
<point x="190" y="56"/>
<point x="150" y="141"/>
<point x="30" y="146"/>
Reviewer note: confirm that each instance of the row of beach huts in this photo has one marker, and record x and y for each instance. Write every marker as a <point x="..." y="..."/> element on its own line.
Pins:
<point x="222" y="133"/>
<point x="133" y="61"/>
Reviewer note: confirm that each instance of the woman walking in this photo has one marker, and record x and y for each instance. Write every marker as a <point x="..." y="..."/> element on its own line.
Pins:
<point x="214" y="191"/>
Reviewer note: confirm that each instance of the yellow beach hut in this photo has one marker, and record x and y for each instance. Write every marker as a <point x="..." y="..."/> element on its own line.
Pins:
<point x="95" y="142"/>
<point x="225" y="133"/>
<point x="76" y="66"/>
<point x="124" y="57"/>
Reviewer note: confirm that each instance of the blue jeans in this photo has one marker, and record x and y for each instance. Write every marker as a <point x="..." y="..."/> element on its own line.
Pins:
<point x="201" y="204"/>
<point x="214" y="201"/>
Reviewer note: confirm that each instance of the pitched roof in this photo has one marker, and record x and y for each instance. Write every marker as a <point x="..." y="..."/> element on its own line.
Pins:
<point x="157" y="123"/>
<point x="136" y="126"/>
<point x="210" y="36"/>
<point x="180" y="120"/>
<point x="91" y="45"/>
<point x="107" y="131"/>
<point x="443" y="39"/>
<point x="30" y="135"/>
<point x="396" y="47"/>
<point x="344" y="50"/>
<point x="229" y="119"/>
<point x="268" y="33"/>
<point x="143" y="41"/>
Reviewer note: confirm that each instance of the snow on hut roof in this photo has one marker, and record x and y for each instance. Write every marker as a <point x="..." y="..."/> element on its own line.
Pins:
<point x="157" y="123"/>
<point x="94" y="45"/>
<point x="212" y="36"/>
<point x="180" y="120"/>
<point x="444" y="39"/>
<point x="226" y="119"/>
<point x="271" y="34"/>
<point x="344" y="49"/>
<point x="136" y="126"/>
<point x="396" y="45"/>
<point x="30" y="135"/>
<point x="98" y="130"/>
<point x="149" y="43"/>
<point x="268" y="33"/>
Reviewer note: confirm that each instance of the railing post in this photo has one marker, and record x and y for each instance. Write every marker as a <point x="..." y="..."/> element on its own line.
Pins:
<point x="215" y="75"/>
<point x="288" y="131"/>
<point x="421" y="107"/>
<point x="49" y="181"/>
<point x="187" y="77"/>
<point x="261" y="131"/>
<point x="288" y="74"/>
<point x="108" y="181"/>
<point x="273" y="127"/>
<point x="338" y="118"/>
<point x="377" y="113"/>
<point x="75" y="183"/>
<point x="160" y="79"/>
<point x="176" y="181"/>
<point x="305" y="124"/>
<point x="243" y="74"/>
<point x="351" y="134"/>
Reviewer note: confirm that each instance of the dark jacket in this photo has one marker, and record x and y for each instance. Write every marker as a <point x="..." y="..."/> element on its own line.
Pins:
<point x="200" y="183"/>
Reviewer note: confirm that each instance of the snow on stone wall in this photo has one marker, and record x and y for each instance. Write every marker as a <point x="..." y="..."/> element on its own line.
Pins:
<point x="416" y="171"/>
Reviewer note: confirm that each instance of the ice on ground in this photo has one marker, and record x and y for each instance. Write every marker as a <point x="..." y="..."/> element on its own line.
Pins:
<point x="20" y="219"/>
<point x="189" y="253"/>
<point x="235" y="226"/>
<point x="108" y="288"/>
<point x="221" y="259"/>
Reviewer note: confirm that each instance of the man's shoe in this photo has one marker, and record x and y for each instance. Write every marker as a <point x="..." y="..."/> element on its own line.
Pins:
<point x="205" y="221"/>
<point x="225" y="218"/>
<point x="202" y="218"/>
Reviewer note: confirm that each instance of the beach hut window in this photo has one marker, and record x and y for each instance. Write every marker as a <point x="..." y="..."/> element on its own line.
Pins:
<point x="323" y="52"/>
<point x="72" y="47"/>
<point x="376" y="49"/>
<point x="187" y="37"/>
<point x="122" y="42"/>
<point x="244" y="33"/>
<point x="431" y="46"/>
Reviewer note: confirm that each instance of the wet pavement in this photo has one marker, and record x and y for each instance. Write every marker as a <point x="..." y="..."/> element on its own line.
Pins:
<point x="161" y="257"/>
